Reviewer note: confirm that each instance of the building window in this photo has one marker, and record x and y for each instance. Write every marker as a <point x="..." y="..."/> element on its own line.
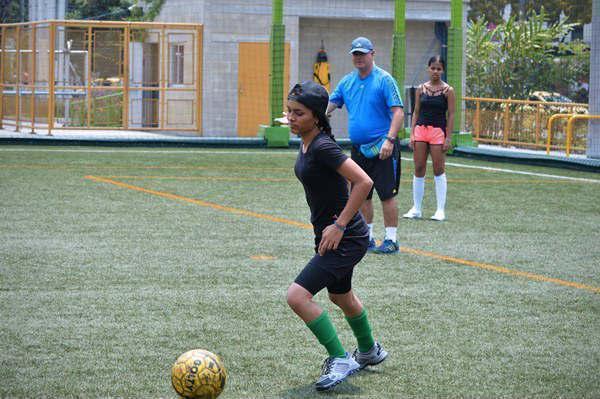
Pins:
<point x="177" y="53"/>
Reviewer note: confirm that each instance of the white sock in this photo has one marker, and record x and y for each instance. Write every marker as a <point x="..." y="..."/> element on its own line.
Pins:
<point x="370" y="230"/>
<point x="441" y="185"/>
<point x="390" y="233"/>
<point x="418" y="192"/>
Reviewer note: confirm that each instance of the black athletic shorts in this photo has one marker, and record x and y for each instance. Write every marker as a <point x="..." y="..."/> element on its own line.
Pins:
<point x="384" y="173"/>
<point x="334" y="269"/>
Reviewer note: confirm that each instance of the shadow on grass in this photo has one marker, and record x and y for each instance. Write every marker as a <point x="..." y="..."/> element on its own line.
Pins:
<point x="346" y="388"/>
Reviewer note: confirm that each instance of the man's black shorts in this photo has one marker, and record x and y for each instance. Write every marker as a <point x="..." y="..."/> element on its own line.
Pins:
<point x="384" y="173"/>
<point x="334" y="269"/>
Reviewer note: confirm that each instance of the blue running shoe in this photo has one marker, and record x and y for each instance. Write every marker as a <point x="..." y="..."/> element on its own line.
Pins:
<point x="387" y="247"/>
<point x="372" y="245"/>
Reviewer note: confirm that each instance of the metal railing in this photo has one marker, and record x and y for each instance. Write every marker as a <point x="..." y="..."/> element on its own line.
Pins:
<point x="550" y="124"/>
<point x="571" y="118"/>
<point x="570" y="124"/>
<point x="520" y="123"/>
<point x="105" y="75"/>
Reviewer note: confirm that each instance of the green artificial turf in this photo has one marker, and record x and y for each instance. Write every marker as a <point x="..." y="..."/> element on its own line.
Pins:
<point x="103" y="286"/>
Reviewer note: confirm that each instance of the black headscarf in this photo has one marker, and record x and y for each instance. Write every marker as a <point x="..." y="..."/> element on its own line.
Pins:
<point x="314" y="97"/>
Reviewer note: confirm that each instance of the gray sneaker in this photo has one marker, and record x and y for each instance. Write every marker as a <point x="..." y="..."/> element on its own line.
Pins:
<point x="374" y="356"/>
<point x="335" y="370"/>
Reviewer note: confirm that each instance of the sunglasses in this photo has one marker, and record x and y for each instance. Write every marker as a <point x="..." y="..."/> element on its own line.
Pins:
<point x="359" y="53"/>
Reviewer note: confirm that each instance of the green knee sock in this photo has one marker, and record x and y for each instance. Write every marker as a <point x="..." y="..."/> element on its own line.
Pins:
<point x="362" y="331"/>
<point x="326" y="334"/>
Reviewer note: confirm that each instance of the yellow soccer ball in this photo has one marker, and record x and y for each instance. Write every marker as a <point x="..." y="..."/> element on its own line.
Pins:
<point x="198" y="374"/>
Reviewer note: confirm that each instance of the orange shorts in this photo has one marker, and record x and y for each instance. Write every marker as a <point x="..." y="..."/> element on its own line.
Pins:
<point x="429" y="134"/>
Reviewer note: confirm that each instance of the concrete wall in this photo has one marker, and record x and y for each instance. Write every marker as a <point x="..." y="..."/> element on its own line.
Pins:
<point x="47" y="9"/>
<point x="182" y="11"/>
<point x="228" y="22"/>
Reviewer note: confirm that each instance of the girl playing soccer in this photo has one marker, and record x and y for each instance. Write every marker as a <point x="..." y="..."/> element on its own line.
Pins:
<point x="341" y="236"/>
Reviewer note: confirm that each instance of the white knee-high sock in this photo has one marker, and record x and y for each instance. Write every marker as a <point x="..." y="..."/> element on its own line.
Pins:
<point x="370" y="230"/>
<point x="441" y="185"/>
<point x="418" y="191"/>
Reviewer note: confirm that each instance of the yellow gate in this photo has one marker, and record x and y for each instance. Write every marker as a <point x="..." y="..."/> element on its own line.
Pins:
<point x="101" y="75"/>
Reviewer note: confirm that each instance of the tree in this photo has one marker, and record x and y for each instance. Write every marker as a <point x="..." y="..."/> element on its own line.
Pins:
<point x="480" y="51"/>
<point x="99" y="9"/>
<point x="579" y="11"/>
<point x="521" y="56"/>
<point x="150" y="13"/>
<point x="10" y="11"/>
<point x="113" y="10"/>
<point x="489" y="10"/>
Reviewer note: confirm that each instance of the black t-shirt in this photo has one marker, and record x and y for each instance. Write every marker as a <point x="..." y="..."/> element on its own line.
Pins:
<point x="326" y="190"/>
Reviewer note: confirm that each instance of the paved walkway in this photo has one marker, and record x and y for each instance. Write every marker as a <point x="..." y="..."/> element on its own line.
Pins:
<point x="141" y="138"/>
<point x="94" y="135"/>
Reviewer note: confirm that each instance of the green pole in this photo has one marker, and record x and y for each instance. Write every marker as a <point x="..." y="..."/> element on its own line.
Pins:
<point x="399" y="45"/>
<point x="455" y="57"/>
<point x="276" y="61"/>
<point x="593" y="139"/>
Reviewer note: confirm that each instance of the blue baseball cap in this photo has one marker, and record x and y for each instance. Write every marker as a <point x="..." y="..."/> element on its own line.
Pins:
<point x="361" y="44"/>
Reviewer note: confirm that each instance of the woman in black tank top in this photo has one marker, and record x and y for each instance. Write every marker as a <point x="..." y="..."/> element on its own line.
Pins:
<point x="431" y="133"/>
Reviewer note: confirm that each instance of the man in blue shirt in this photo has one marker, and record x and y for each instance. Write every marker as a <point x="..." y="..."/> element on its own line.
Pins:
<point x="375" y="112"/>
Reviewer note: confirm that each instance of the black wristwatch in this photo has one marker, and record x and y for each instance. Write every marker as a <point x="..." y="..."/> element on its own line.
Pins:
<point x="390" y="139"/>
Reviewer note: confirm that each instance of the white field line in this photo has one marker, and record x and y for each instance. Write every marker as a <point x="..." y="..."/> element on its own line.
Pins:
<point x="516" y="172"/>
<point x="171" y="151"/>
<point x="283" y="153"/>
<point x="521" y="172"/>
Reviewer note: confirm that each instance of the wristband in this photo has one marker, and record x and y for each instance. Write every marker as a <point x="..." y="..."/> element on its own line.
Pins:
<point x="339" y="227"/>
<point x="388" y="138"/>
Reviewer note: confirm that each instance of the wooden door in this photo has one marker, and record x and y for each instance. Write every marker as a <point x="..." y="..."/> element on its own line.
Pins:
<point x="253" y="85"/>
